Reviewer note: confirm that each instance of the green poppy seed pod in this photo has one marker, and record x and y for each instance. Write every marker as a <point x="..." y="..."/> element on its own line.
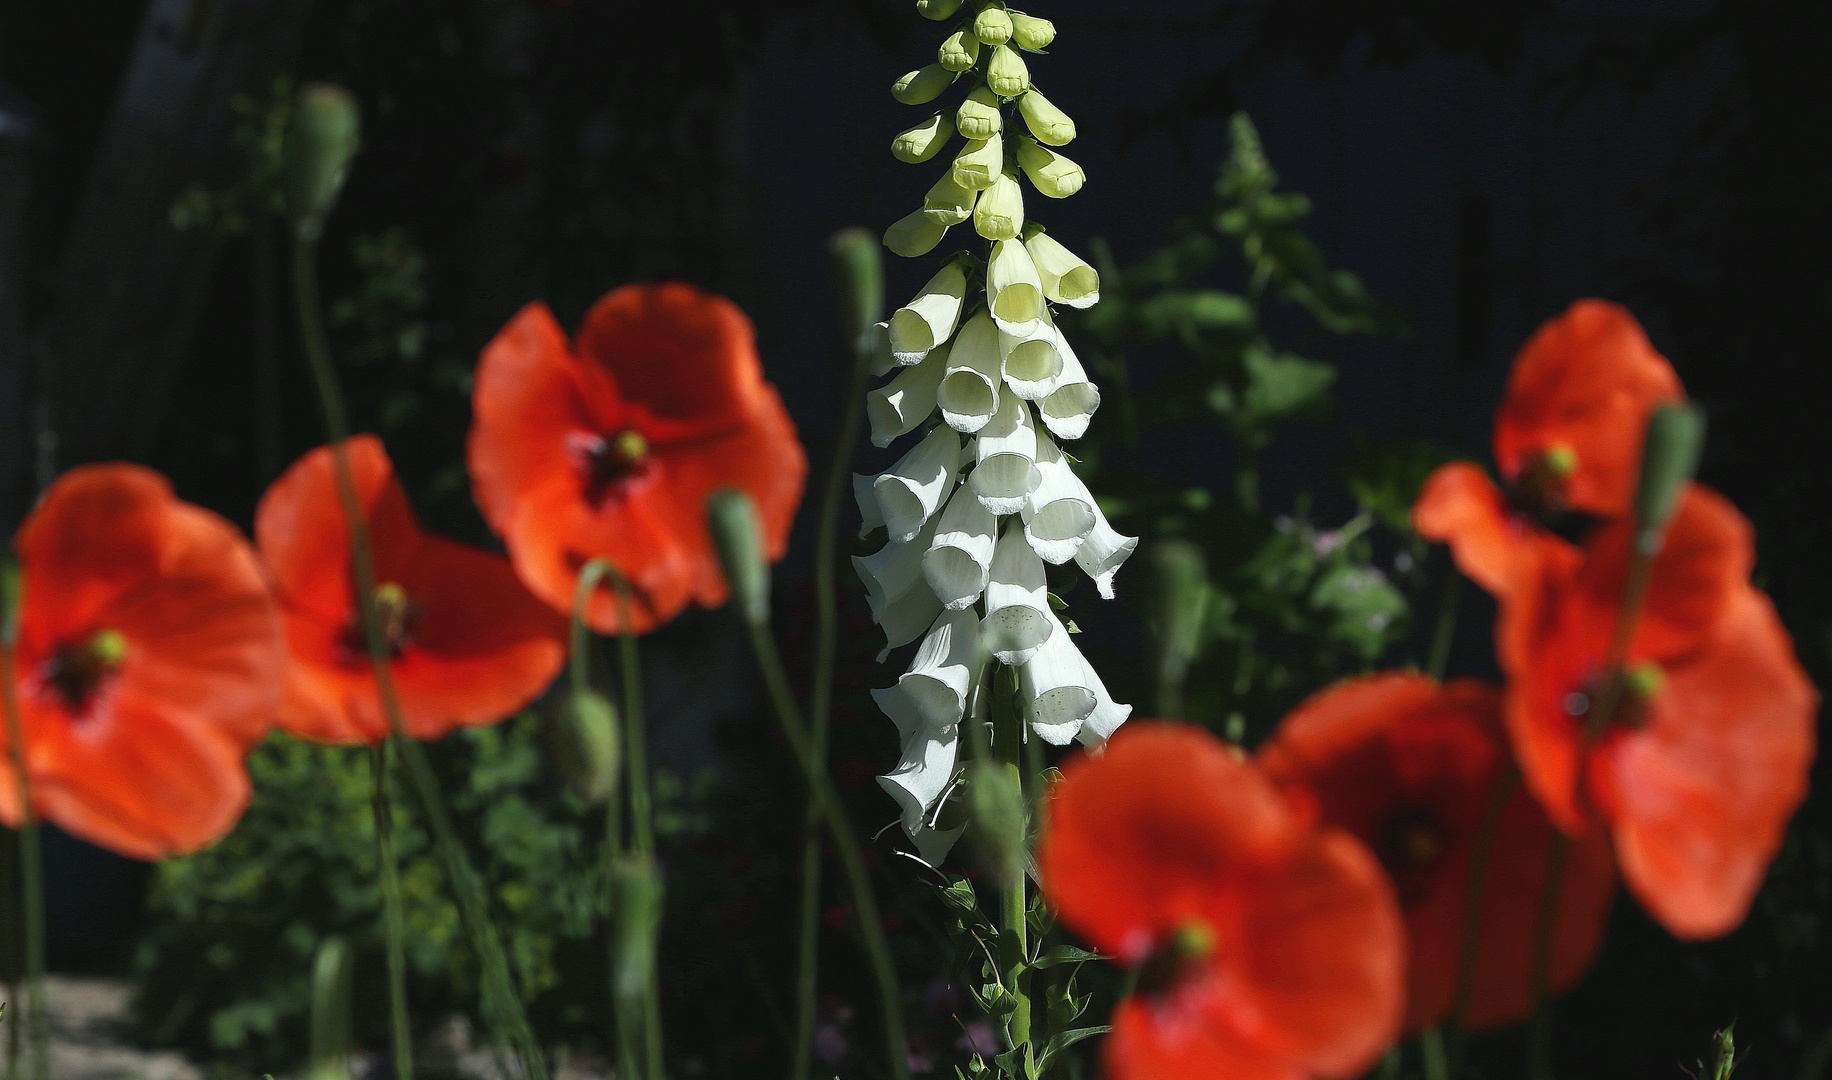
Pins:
<point x="322" y="137"/>
<point x="1006" y="72"/>
<point x="857" y="270"/>
<point x="330" y="1032"/>
<point x="948" y="203"/>
<point x="586" y="745"/>
<point x="925" y="140"/>
<point x="1049" y="124"/>
<point x="980" y="163"/>
<point x="937" y="9"/>
<point x="1000" y="212"/>
<point x="636" y="901"/>
<point x="1050" y="173"/>
<point x="1669" y="457"/>
<point x="1030" y="32"/>
<point x="996" y="806"/>
<point x="992" y="25"/>
<point x="959" y="52"/>
<point x="731" y="517"/>
<point x="979" y="116"/>
<point x="914" y="235"/>
<point x="923" y="85"/>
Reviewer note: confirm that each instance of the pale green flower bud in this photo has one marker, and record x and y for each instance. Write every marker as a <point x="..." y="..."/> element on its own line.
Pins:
<point x="1000" y="212"/>
<point x="1669" y="456"/>
<point x="1030" y="32"/>
<point x="636" y="906"/>
<point x="1014" y="290"/>
<point x="960" y="52"/>
<point x="731" y="518"/>
<point x="978" y="117"/>
<point x="948" y="203"/>
<point x="913" y="235"/>
<point x="1067" y="278"/>
<point x="929" y="319"/>
<point x="925" y="140"/>
<point x="1006" y="72"/>
<point x="321" y="139"/>
<point x="937" y="9"/>
<point x="586" y="746"/>
<point x="923" y="85"/>
<point x="980" y="164"/>
<point x="1048" y="123"/>
<point x="1051" y="173"/>
<point x="992" y="25"/>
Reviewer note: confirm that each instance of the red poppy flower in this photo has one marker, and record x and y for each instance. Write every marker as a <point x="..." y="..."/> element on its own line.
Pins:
<point x="1410" y="767"/>
<point x="1698" y="769"/>
<point x="1266" y="947"/>
<point x="1568" y="434"/>
<point x="608" y="446"/>
<point x="148" y="662"/>
<point x="470" y="644"/>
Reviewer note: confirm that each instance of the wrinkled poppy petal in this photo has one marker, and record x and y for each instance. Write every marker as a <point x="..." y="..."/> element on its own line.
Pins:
<point x="1587" y="381"/>
<point x="526" y="400"/>
<point x="1150" y="1042"/>
<point x="1460" y="506"/>
<point x="1702" y="794"/>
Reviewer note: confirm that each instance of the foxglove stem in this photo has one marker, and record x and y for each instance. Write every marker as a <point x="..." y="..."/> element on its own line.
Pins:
<point x="394" y="931"/>
<point x="1008" y="745"/>
<point x="31" y="863"/>
<point x="864" y="901"/>
<point x="500" y="999"/>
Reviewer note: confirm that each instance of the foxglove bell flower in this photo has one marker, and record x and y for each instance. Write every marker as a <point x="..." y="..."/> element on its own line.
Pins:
<point x="982" y="501"/>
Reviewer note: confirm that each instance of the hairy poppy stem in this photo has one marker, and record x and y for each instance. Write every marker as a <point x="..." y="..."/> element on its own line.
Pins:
<point x="500" y="999"/>
<point x="31" y="862"/>
<point x="1539" y="1034"/>
<point x="1475" y="883"/>
<point x="1445" y="631"/>
<point x="858" y="882"/>
<point x="393" y="926"/>
<point x="642" y="814"/>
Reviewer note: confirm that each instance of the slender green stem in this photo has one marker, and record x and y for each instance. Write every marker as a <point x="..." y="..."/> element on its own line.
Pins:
<point x="500" y="998"/>
<point x="1431" y="1051"/>
<point x="1539" y="1034"/>
<point x="31" y="861"/>
<point x="820" y="708"/>
<point x="1446" y="629"/>
<point x="858" y="882"/>
<point x="642" y="811"/>
<point x="1475" y="885"/>
<point x="393" y="926"/>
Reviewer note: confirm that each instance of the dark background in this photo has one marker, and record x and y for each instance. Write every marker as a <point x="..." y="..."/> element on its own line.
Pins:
<point x="1479" y="166"/>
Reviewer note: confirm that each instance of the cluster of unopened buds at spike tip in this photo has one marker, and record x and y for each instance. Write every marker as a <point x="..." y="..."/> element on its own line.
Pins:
<point x="984" y="498"/>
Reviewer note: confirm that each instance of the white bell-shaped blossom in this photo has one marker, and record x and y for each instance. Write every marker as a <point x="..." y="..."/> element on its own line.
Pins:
<point x="1067" y="277"/>
<point x="1060" y="514"/>
<point x="1103" y="551"/>
<point x="878" y="347"/>
<point x="913" y="235"/>
<point x="1064" y="696"/>
<point x="912" y="490"/>
<point x="901" y="405"/>
<point x="1005" y="458"/>
<point x="969" y="390"/>
<point x="865" y="494"/>
<point x="900" y="600"/>
<point x="1033" y="362"/>
<point x="1014" y="291"/>
<point x="980" y="163"/>
<point x="928" y="320"/>
<point x="1072" y="399"/>
<point x="1017" y="600"/>
<point x="948" y="203"/>
<point x="946" y="666"/>
<point x="959" y="559"/>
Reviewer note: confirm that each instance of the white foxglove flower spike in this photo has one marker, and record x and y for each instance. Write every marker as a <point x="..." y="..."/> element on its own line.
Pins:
<point x="946" y="666"/>
<point x="969" y="390"/>
<point x="929" y="319"/>
<point x="1014" y="290"/>
<point x="1005" y="455"/>
<point x="1017" y="600"/>
<point x="910" y="491"/>
<point x="1071" y="402"/>
<point x="1060" y="513"/>
<point x="901" y="405"/>
<point x="960" y="557"/>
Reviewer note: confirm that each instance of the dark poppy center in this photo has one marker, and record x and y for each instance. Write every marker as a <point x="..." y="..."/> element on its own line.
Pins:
<point x="1175" y="957"/>
<point x="77" y="671"/>
<point x="611" y="464"/>
<point x="1411" y="844"/>
<point x="1539" y="491"/>
<point x="1628" y="700"/>
<point x="396" y="611"/>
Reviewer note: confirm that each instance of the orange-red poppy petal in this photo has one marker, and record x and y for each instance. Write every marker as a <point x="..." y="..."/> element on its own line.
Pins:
<point x="1174" y="1041"/>
<point x="1461" y="506"/>
<point x="1587" y="381"/>
<point x="1700" y="797"/>
<point x="525" y="401"/>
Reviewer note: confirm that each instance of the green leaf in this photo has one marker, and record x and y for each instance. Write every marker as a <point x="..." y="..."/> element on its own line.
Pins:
<point x="1067" y="954"/>
<point x="1062" y="1040"/>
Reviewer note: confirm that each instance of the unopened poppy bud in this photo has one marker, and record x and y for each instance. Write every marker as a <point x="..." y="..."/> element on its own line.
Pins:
<point x="959" y="52"/>
<point x="1006" y="72"/>
<point x="332" y="970"/>
<point x="321" y="139"/>
<point x="636" y="899"/>
<point x="857" y="270"/>
<point x="923" y="85"/>
<point x="1030" y="32"/>
<point x="585" y="745"/>
<point x="993" y="25"/>
<point x="731" y="517"/>
<point x="1180" y="593"/>
<point x="1669" y="457"/>
<point x="1067" y="278"/>
<point x="1050" y="173"/>
<point x="925" y="140"/>
<point x="1049" y="124"/>
<point x="1000" y="212"/>
<point x="996" y="803"/>
<point x="978" y="116"/>
<point x="913" y="235"/>
<point x="948" y="203"/>
<point x="980" y="163"/>
<point x="937" y="9"/>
